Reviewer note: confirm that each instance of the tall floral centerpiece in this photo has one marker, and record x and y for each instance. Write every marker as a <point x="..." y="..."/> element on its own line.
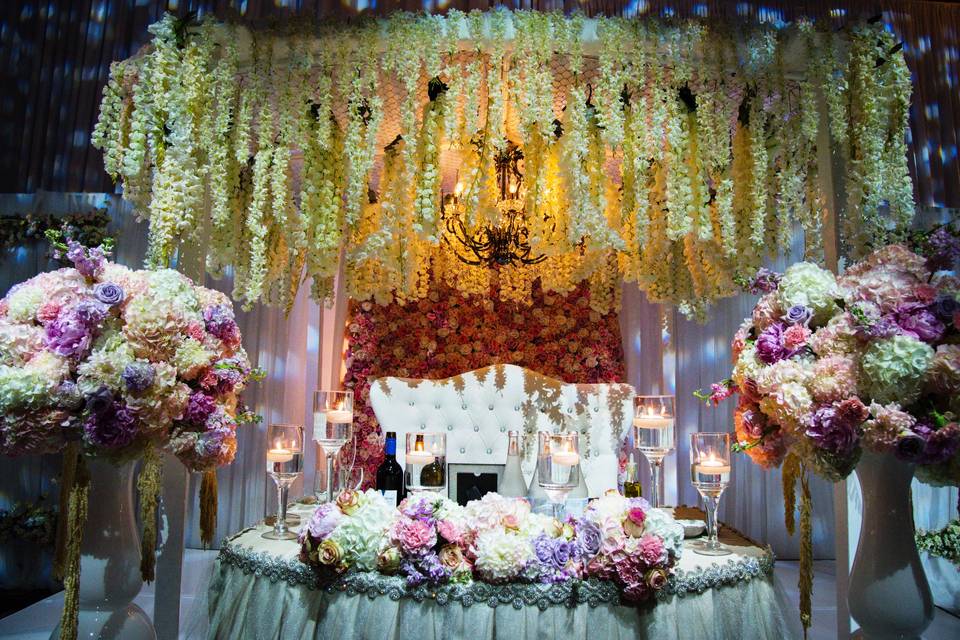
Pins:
<point x="862" y="372"/>
<point x="102" y="362"/>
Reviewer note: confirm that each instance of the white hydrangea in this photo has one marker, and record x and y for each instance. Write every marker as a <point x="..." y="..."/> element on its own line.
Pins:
<point x="790" y="405"/>
<point x="611" y="506"/>
<point x="894" y="369"/>
<point x="747" y="365"/>
<point x="104" y="367"/>
<point x="661" y="524"/>
<point x="190" y="358"/>
<point x="361" y="533"/>
<point x="811" y="286"/>
<point x="501" y="555"/>
<point x="23" y="304"/>
<point x="30" y="386"/>
<point x="18" y="342"/>
<point x="771" y="378"/>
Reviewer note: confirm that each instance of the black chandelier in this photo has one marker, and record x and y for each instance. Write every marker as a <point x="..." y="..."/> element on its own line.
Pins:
<point x="493" y="245"/>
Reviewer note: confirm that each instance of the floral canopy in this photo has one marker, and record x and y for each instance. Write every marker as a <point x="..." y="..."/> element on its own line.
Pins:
<point x="676" y="154"/>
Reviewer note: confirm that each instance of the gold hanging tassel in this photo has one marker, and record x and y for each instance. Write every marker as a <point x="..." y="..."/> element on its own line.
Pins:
<point x="67" y="479"/>
<point x="76" y="518"/>
<point x="148" y="485"/>
<point x="208" y="507"/>
<point x="790" y="471"/>
<point x="806" y="551"/>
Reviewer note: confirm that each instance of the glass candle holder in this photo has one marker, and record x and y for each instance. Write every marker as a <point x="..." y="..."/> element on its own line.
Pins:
<point x="558" y="466"/>
<point x="332" y="428"/>
<point x="425" y="462"/>
<point x="284" y="465"/>
<point x="710" y="474"/>
<point x="654" y="423"/>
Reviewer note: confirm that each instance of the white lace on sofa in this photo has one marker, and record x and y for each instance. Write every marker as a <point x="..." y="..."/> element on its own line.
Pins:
<point x="477" y="409"/>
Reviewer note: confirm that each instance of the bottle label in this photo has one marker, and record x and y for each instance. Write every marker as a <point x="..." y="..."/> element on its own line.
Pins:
<point x="390" y="495"/>
<point x="391" y="447"/>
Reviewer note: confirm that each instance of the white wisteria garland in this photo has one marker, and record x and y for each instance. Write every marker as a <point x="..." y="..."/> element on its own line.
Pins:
<point x="673" y="154"/>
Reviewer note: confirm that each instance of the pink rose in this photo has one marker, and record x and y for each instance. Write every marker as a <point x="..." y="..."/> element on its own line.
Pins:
<point x="651" y="550"/>
<point x="412" y="535"/>
<point x="48" y="311"/>
<point x="348" y="501"/>
<point x="633" y="525"/>
<point x="636" y="515"/>
<point x="795" y="336"/>
<point x="451" y="556"/>
<point x="449" y="531"/>
<point x="656" y="579"/>
<point x="510" y="521"/>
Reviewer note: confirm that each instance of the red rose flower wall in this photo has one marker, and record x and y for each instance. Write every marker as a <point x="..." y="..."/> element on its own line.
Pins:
<point x="446" y="334"/>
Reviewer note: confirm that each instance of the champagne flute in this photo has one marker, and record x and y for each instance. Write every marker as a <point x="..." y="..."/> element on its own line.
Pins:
<point x="284" y="465"/>
<point x="710" y="475"/>
<point x="558" y="467"/>
<point x="654" y="423"/>
<point x="332" y="427"/>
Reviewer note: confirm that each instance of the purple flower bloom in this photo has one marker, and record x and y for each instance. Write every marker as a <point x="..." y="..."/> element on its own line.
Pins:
<point x="112" y="429"/>
<point x="831" y="433"/>
<point x="943" y="249"/>
<point x="942" y="444"/>
<point x="210" y="442"/>
<point x="798" y="314"/>
<point x="108" y="293"/>
<point x="68" y="336"/>
<point x="138" y="376"/>
<point x="562" y="552"/>
<point x="89" y="262"/>
<point x="765" y="281"/>
<point x="219" y="322"/>
<point x="199" y="407"/>
<point x="770" y="344"/>
<point x="588" y="537"/>
<point x="419" y="510"/>
<point x="100" y="401"/>
<point x="90" y="312"/>
<point x="909" y="446"/>
<point x="917" y="322"/>
<point x="944" y="307"/>
<point x="543" y="549"/>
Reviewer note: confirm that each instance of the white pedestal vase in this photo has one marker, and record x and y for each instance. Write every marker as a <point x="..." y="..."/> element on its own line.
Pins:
<point x="110" y="560"/>
<point x="889" y="594"/>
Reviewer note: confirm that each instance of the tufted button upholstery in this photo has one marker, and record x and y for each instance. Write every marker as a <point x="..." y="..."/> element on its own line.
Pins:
<point x="475" y="414"/>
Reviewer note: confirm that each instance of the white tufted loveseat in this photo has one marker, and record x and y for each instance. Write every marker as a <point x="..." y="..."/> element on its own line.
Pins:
<point x="476" y="410"/>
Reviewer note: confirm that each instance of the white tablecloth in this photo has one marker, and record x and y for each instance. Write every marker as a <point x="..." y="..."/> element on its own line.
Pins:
<point x="259" y="590"/>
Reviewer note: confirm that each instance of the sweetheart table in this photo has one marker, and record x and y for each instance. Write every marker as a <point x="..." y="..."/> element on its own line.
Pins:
<point x="260" y="590"/>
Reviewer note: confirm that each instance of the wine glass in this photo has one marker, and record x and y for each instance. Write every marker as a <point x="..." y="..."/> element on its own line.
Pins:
<point x="424" y="463"/>
<point x="284" y="465"/>
<point x="558" y="466"/>
<point x="655" y="427"/>
<point x="710" y="475"/>
<point x="332" y="426"/>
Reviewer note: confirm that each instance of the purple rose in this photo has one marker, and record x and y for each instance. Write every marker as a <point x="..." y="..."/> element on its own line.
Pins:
<point x="831" y="433"/>
<point x="112" y="429"/>
<point x="68" y="336"/>
<point x="919" y="323"/>
<point x="765" y="281"/>
<point x="909" y="446"/>
<point x="108" y="293"/>
<point x="770" y="344"/>
<point x="588" y="537"/>
<point x="561" y="554"/>
<point x="324" y="520"/>
<point x="798" y="314"/>
<point x="138" y="376"/>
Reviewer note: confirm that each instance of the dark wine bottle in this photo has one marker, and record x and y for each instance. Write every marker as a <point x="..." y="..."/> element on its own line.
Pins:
<point x="390" y="473"/>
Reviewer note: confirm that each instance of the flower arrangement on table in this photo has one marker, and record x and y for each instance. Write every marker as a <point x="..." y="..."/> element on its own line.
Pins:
<point x="430" y="539"/>
<point x="100" y="360"/>
<point x="829" y="366"/>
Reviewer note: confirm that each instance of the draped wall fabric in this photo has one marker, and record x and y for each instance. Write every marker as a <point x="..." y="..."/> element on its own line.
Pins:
<point x="55" y="57"/>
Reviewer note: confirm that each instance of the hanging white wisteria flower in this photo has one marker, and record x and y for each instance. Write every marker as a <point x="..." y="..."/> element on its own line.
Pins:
<point x="672" y="153"/>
